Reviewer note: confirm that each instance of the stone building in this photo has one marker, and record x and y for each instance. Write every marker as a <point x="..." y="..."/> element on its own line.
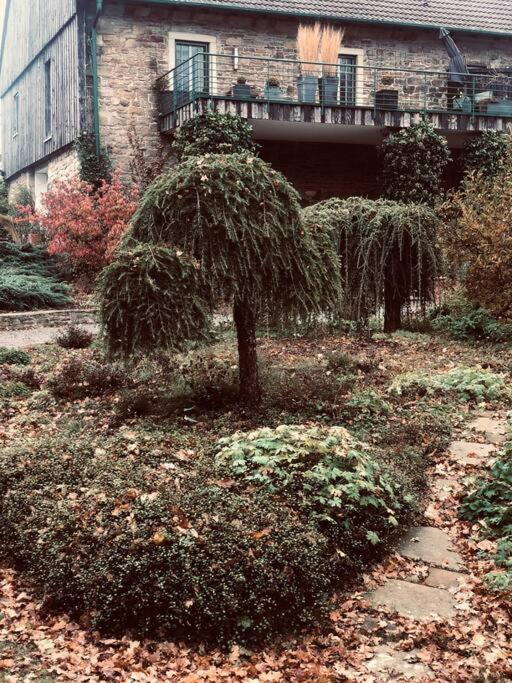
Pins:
<point x="114" y="66"/>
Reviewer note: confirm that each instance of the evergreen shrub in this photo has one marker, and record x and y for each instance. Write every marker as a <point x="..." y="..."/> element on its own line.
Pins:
<point x="74" y="337"/>
<point x="29" y="279"/>
<point x="213" y="133"/>
<point x="236" y="548"/>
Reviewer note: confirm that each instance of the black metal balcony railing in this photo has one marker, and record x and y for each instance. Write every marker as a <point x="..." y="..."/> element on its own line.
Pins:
<point x="207" y="75"/>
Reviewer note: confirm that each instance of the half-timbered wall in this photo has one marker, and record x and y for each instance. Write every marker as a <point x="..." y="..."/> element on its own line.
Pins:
<point x="39" y="31"/>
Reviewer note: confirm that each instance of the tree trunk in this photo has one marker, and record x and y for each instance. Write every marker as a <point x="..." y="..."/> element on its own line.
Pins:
<point x="392" y="306"/>
<point x="245" y="323"/>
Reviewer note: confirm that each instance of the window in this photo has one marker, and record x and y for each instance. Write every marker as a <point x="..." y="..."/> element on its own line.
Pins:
<point x="48" y="99"/>
<point x="191" y="75"/>
<point x="16" y="115"/>
<point x="348" y="78"/>
<point x="40" y="186"/>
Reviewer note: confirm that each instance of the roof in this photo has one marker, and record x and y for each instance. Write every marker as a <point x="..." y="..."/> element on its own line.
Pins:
<point x="487" y="16"/>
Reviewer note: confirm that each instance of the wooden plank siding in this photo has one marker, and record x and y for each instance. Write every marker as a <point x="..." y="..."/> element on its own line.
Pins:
<point x="31" y="143"/>
<point x="32" y="24"/>
<point x="54" y="35"/>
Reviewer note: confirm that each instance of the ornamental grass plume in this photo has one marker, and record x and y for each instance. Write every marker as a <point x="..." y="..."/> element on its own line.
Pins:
<point x="308" y="47"/>
<point x="330" y="44"/>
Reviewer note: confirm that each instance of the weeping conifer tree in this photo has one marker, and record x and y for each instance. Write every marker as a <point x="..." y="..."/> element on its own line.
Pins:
<point x="239" y="221"/>
<point x="387" y="251"/>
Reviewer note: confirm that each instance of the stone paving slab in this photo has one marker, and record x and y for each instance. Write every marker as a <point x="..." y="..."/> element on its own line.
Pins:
<point x="494" y="429"/>
<point x="414" y="600"/>
<point x="442" y="578"/>
<point x="471" y="452"/>
<point x="430" y="545"/>
<point x="400" y="663"/>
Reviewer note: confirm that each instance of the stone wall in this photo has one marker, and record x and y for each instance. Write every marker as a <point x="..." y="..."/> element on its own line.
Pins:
<point x="63" y="166"/>
<point x="33" y="319"/>
<point x="24" y="180"/>
<point x="134" y="47"/>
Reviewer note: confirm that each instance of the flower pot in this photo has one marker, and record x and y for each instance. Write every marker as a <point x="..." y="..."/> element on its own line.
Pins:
<point x="503" y="108"/>
<point x="273" y="92"/>
<point x="329" y="89"/>
<point x="307" y="86"/>
<point x="463" y="104"/>
<point x="242" y="90"/>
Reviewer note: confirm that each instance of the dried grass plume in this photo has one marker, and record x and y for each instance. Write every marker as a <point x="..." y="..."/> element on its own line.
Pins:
<point x="308" y="47"/>
<point x="330" y="45"/>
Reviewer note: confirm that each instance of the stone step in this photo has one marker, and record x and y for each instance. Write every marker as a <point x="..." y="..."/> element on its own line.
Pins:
<point x="399" y="663"/>
<point x="432" y="546"/>
<point x="442" y="578"/>
<point x="494" y="429"/>
<point x="470" y="452"/>
<point x="414" y="600"/>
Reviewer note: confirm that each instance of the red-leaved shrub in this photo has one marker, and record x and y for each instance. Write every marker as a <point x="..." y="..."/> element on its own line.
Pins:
<point x="83" y="223"/>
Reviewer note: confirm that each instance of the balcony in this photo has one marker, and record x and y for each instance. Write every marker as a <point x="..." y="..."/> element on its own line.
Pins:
<point x="288" y="92"/>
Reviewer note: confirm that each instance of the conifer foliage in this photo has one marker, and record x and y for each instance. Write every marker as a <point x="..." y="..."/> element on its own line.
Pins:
<point x="388" y="253"/>
<point x="239" y="220"/>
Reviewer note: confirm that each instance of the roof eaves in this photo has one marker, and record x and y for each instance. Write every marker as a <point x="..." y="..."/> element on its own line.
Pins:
<point x="326" y="17"/>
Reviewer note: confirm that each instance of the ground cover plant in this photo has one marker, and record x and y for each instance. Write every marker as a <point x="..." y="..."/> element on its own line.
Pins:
<point x="189" y="452"/>
<point x="474" y="383"/>
<point x="14" y="357"/>
<point x="488" y="505"/>
<point x="196" y="556"/>
<point x="29" y="279"/>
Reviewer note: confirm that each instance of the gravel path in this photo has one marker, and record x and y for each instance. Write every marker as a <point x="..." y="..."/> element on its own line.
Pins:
<point x="21" y="339"/>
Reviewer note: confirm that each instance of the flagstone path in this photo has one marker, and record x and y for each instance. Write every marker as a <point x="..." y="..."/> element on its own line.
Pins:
<point x="431" y="591"/>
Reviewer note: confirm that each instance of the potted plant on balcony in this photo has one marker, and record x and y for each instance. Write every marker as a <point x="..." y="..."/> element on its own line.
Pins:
<point x="241" y="88"/>
<point x="330" y="44"/>
<point x="308" y="50"/>
<point x="463" y="103"/>
<point x="273" y="90"/>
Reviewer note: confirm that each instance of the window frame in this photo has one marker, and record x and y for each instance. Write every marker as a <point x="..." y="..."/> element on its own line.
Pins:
<point x="175" y="37"/>
<point x="16" y="114"/>
<point x="48" y="99"/>
<point x="359" y="55"/>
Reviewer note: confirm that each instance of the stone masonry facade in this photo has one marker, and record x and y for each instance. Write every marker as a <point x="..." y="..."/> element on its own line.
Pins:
<point x="62" y="166"/>
<point x="134" y="44"/>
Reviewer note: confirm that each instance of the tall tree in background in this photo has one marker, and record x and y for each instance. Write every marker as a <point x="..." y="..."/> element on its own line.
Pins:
<point x="414" y="162"/>
<point x="477" y="236"/>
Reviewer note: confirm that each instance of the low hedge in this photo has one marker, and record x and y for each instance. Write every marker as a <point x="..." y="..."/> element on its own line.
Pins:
<point x="130" y="539"/>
